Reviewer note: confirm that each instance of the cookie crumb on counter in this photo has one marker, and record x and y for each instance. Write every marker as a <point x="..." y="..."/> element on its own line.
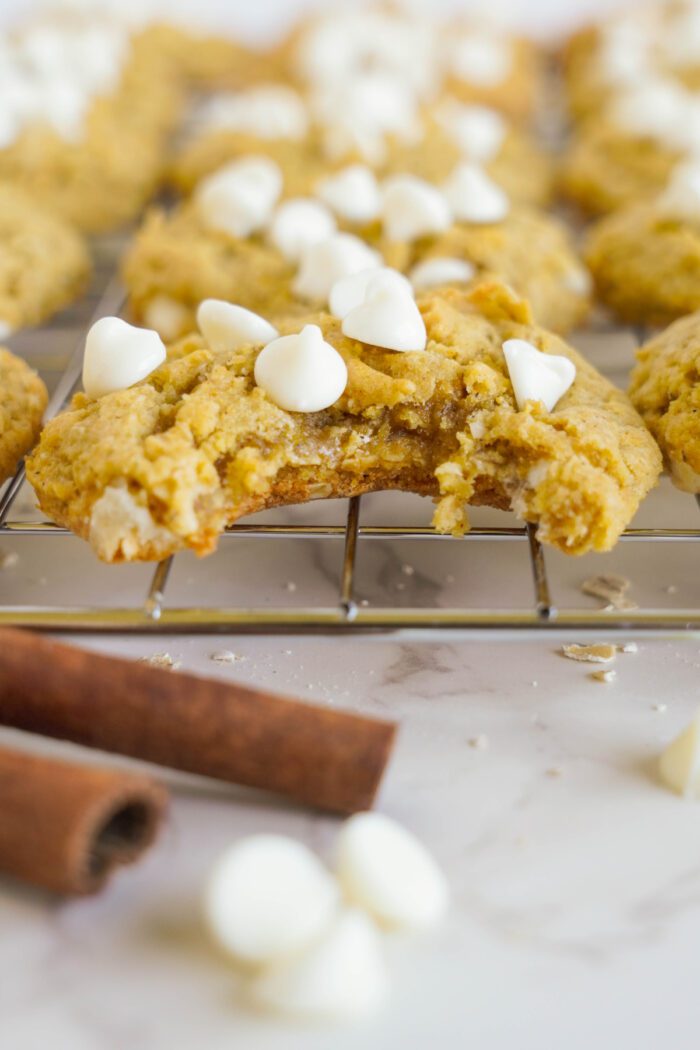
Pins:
<point x="611" y="589"/>
<point x="480" y="742"/>
<point x="629" y="647"/>
<point x="162" y="660"/>
<point x="599" y="653"/>
<point x="8" y="559"/>
<point x="659" y="707"/>
<point x="225" y="656"/>
<point x="604" y="676"/>
<point x="291" y="586"/>
<point x="555" y="771"/>
<point x="407" y="570"/>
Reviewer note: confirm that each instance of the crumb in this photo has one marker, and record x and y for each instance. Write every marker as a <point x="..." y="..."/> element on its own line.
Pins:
<point x="291" y="586"/>
<point x="555" y="771"/>
<point x="162" y="660"/>
<point x="407" y="570"/>
<point x="534" y="684"/>
<point x="225" y="656"/>
<point x="604" y="676"/>
<point x="480" y="742"/>
<point x="449" y="578"/>
<point x="364" y="603"/>
<point x="600" y="653"/>
<point x="8" y="559"/>
<point x="286" y="652"/>
<point x="611" y="589"/>
<point x="629" y="647"/>
<point x="671" y="589"/>
<point x="400" y="586"/>
<point x="659" y="707"/>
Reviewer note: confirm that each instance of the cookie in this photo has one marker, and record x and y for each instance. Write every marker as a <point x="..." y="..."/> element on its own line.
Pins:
<point x="605" y="168"/>
<point x="666" y="392"/>
<point x="168" y="463"/>
<point x="492" y="68"/>
<point x="23" y="399"/>
<point x="175" y="262"/>
<point x="179" y="259"/>
<point x="604" y="59"/>
<point x="90" y="143"/>
<point x="528" y="249"/>
<point x="453" y="131"/>
<point x="645" y="264"/>
<point x="44" y="263"/>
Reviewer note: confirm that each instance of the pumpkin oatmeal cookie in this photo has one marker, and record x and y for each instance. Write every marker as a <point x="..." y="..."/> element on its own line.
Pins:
<point x="23" y="399"/>
<point x="665" y="389"/>
<point x="170" y="462"/>
<point x="528" y="249"/>
<point x="44" y="263"/>
<point x="646" y="264"/>
<point x="90" y="144"/>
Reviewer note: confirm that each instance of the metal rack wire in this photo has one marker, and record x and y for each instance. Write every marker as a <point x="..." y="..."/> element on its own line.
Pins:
<point x="155" y="615"/>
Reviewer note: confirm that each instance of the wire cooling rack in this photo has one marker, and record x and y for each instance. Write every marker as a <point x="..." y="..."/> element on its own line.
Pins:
<point x="496" y="579"/>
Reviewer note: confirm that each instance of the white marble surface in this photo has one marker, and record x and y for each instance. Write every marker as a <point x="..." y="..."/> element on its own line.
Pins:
<point x="576" y="877"/>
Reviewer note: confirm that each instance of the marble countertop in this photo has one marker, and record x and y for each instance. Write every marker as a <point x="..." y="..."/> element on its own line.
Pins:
<point x="575" y="876"/>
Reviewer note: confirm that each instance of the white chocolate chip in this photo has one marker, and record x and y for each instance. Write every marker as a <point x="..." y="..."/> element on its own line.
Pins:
<point x="480" y="58"/>
<point x="352" y="193"/>
<point x="412" y="208"/>
<point x="271" y="111"/>
<point x="577" y="280"/>
<point x="268" y="897"/>
<point x="537" y="376"/>
<point x="478" y="131"/>
<point x="117" y="355"/>
<point x="474" y="197"/>
<point x="351" y="291"/>
<point x="388" y="318"/>
<point x="238" y="199"/>
<point x="342" y="975"/>
<point x="679" y="765"/>
<point x="661" y="110"/>
<point x="5" y="329"/>
<point x="325" y="263"/>
<point x="301" y="373"/>
<point x="681" y="198"/>
<point x="385" y="869"/>
<point x="118" y="523"/>
<point x="226" y="326"/>
<point x="166" y="316"/>
<point x="299" y="222"/>
<point x="440" y="271"/>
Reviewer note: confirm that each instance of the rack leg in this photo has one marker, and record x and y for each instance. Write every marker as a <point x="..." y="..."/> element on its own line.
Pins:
<point x="346" y="582"/>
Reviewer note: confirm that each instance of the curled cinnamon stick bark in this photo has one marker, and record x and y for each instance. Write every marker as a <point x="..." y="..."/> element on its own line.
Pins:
<point x="329" y="759"/>
<point x="68" y="827"/>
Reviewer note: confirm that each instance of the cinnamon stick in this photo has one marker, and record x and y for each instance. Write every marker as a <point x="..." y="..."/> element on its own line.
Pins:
<point x="67" y="827"/>
<point x="329" y="759"/>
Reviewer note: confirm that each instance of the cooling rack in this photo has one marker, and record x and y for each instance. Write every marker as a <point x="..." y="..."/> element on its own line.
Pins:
<point x="493" y="559"/>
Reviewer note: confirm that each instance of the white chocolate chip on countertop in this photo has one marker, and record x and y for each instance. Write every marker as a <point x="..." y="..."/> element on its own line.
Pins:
<point x="385" y="869"/>
<point x="269" y="897"/>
